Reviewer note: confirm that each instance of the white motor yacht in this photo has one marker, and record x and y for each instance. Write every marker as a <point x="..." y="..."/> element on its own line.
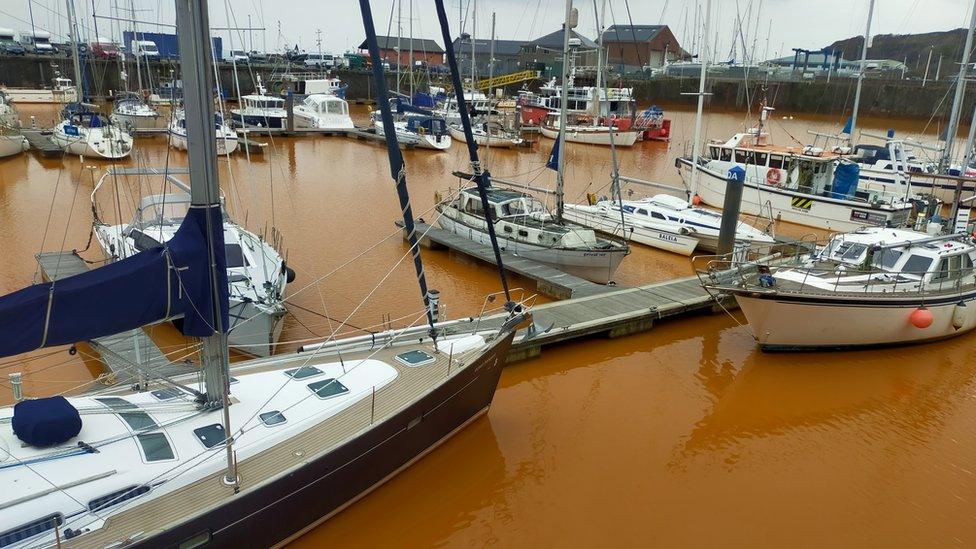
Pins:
<point x="62" y="91"/>
<point x="260" y="110"/>
<point x="323" y="111"/>
<point x="661" y="221"/>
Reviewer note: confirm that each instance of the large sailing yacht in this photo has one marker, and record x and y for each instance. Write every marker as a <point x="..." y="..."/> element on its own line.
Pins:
<point x="209" y="459"/>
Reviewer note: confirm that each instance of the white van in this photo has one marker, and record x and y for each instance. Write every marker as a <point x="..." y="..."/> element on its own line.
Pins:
<point x="38" y="42"/>
<point x="322" y="61"/>
<point x="145" y="48"/>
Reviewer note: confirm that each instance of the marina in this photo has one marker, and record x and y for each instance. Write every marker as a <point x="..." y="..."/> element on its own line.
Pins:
<point x="488" y="284"/>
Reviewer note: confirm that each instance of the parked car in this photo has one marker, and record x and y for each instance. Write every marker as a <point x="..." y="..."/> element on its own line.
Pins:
<point x="105" y="49"/>
<point x="9" y="44"/>
<point x="320" y="60"/>
<point x="239" y="56"/>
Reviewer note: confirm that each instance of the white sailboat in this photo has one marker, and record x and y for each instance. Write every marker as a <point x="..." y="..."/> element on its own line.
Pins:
<point x="12" y="141"/>
<point x="206" y="458"/>
<point x="83" y="131"/>
<point x="227" y="139"/>
<point x="526" y="228"/>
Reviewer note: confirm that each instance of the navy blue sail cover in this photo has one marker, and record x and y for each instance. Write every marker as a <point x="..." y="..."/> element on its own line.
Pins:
<point x="46" y="421"/>
<point x="162" y="282"/>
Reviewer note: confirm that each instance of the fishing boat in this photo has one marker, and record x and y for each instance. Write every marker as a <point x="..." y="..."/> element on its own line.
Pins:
<point x="85" y="132"/>
<point x="207" y="458"/>
<point x="323" y="111"/>
<point x="581" y="128"/>
<point x="872" y="287"/>
<point x="227" y="139"/>
<point x="652" y="125"/>
<point x="487" y="134"/>
<point x="132" y="113"/>
<point x="260" y="110"/>
<point x="602" y="102"/>
<point x="804" y="185"/>
<point x="61" y="91"/>
<point x="662" y="221"/>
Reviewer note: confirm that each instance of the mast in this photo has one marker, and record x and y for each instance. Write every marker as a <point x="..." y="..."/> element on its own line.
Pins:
<point x="195" y="56"/>
<point x="76" y="58"/>
<point x="957" y="99"/>
<point x="132" y="11"/>
<point x="474" y="28"/>
<point x="860" y="74"/>
<point x="398" y="46"/>
<point x="697" y="144"/>
<point x="410" y="58"/>
<point x="568" y="25"/>
<point x="599" y="60"/>
<point x="397" y="168"/>
<point x="482" y="177"/>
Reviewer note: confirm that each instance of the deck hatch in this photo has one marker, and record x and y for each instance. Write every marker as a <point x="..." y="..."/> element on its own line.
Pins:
<point x="415" y="357"/>
<point x="328" y="388"/>
<point x="117" y="497"/>
<point x="272" y="418"/>
<point x="210" y="435"/>
<point x="303" y="372"/>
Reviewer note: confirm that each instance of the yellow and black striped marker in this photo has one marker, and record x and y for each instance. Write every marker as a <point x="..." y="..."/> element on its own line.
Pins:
<point x="802" y="203"/>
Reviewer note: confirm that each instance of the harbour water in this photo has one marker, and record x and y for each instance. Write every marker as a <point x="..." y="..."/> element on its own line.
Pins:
<point x="686" y="435"/>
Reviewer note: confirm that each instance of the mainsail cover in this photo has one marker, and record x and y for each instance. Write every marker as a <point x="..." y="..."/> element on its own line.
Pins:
<point x="160" y="283"/>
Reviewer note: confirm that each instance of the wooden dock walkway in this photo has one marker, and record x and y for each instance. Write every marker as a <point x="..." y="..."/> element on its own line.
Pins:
<point x="41" y="142"/>
<point x="549" y="280"/>
<point x="123" y="354"/>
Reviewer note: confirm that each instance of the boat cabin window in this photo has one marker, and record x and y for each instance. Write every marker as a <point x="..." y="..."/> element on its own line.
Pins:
<point x="336" y="107"/>
<point x="966" y="268"/>
<point x="303" y="372"/>
<point x="776" y="161"/>
<point x="272" y="418"/>
<point x="656" y="215"/>
<point x="714" y="152"/>
<point x="726" y="155"/>
<point x="473" y="206"/>
<point x="917" y="264"/>
<point x="211" y="435"/>
<point x="948" y="269"/>
<point x="741" y="157"/>
<point x="117" y="497"/>
<point x="328" y="388"/>
<point x="235" y="256"/>
<point x="854" y="252"/>
<point x="523" y="232"/>
<point x="641" y="211"/>
<point x="31" y="529"/>
<point x="760" y="158"/>
<point x="155" y="447"/>
<point x="886" y="259"/>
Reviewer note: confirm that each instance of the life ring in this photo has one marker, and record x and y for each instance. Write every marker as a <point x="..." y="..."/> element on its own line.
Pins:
<point x="773" y="176"/>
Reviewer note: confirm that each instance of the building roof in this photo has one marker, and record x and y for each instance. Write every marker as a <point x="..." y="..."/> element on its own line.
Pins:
<point x="483" y="46"/>
<point x="422" y="45"/>
<point x="632" y="33"/>
<point x="554" y="41"/>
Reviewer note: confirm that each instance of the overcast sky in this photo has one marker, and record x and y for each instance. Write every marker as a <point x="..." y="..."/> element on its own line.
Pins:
<point x="787" y="23"/>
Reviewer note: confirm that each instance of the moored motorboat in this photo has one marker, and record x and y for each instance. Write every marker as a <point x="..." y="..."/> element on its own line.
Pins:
<point x="61" y="91"/>
<point x="487" y="134"/>
<point x="260" y="110"/>
<point x="323" y="111"/>
<point x="580" y="129"/>
<point x="872" y="287"/>
<point x="418" y="130"/>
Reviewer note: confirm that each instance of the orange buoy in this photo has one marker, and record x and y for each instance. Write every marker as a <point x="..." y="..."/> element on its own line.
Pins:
<point x="921" y="318"/>
<point x="696" y="200"/>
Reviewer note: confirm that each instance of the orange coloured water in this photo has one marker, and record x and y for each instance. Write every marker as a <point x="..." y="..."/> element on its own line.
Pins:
<point x="685" y="435"/>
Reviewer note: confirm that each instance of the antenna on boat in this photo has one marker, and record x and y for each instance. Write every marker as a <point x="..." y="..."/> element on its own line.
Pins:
<point x="482" y="178"/>
<point x="397" y="168"/>
<point x="194" y="45"/>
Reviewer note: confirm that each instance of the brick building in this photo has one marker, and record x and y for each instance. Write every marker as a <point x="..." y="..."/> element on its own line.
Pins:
<point x="632" y="48"/>
<point x="427" y="51"/>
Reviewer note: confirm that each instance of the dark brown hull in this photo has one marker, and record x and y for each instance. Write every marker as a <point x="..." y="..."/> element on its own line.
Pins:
<point x="286" y="507"/>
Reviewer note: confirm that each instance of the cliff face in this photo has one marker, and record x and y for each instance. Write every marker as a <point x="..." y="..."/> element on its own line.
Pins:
<point x="914" y="47"/>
